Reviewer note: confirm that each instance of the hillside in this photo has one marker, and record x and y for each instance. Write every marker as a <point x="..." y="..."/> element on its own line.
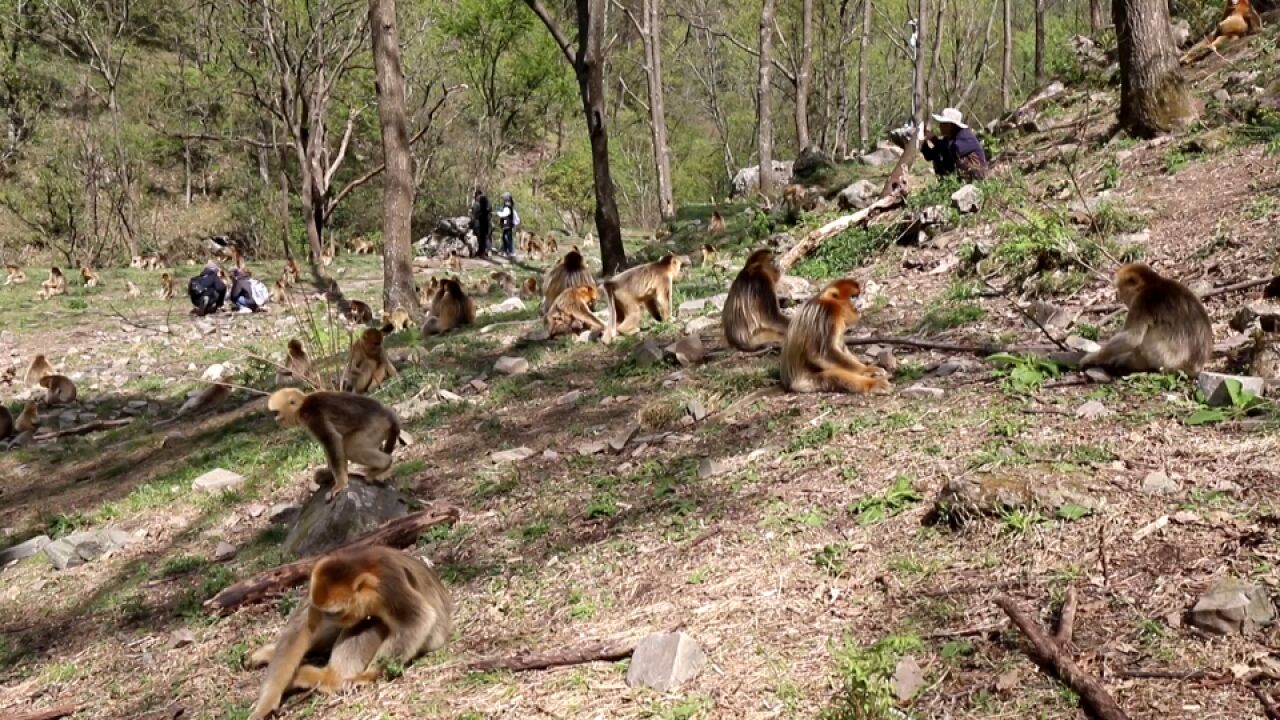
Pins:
<point x="796" y="538"/>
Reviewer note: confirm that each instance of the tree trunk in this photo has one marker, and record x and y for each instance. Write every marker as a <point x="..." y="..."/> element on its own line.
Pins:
<point x="840" y="146"/>
<point x="764" y="109"/>
<point x="864" y="46"/>
<point x="1097" y="17"/>
<point x="590" y="73"/>
<point x="1006" y="61"/>
<point x="1039" y="59"/>
<point x="652" y="34"/>
<point x="1153" y="94"/>
<point x="804" y="74"/>
<point x="922" y="37"/>
<point x="397" y="181"/>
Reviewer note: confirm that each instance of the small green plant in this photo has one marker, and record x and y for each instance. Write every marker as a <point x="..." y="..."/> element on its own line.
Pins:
<point x="1018" y="521"/>
<point x="1174" y="159"/>
<point x="1111" y="175"/>
<point x="1242" y="403"/>
<point x="602" y="506"/>
<point x="1087" y="331"/>
<point x="1111" y="218"/>
<point x="1024" y="374"/>
<point x="818" y="436"/>
<point x="1073" y="511"/>
<point x="392" y="668"/>
<point x="865" y="681"/>
<point x="830" y="558"/>
<point x="63" y="524"/>
<point x="182" y="565"/>
<point x="875" y="508"/>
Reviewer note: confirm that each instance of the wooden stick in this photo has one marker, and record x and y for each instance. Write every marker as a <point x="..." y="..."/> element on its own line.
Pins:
<point x="397" y="533"/>
<point x="597" y="651"/>
<point x="815" y="237"/>
<point x="1094" y="698"/>
<point x="1067" y="619"/>
<point x="55" y="713"/>
<point x="1184" y="675"/>
<point x="85" y="429"/>
<point x="1268" y="704"/>
<point x="923" y="344"/>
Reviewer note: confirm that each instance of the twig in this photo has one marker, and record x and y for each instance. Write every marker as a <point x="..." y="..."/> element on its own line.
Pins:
<point x="1095" y="699"/>
<point x="1184" y="675"/>
<point x="1268" y="704"/>
<point x="1102" y="558"/>
<point x="1027" y="314"/>
<point x="974" y="349"/>
<point x="85" y="429"/>
<point x="60" y="711"/>
<point x="965" y="632"/>
<point x="596" y="651"/>
<point x="1066" y="621"/>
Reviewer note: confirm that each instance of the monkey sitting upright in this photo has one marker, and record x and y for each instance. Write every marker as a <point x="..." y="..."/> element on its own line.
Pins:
<point x="364" y="604"/>
<point x="55" y="285"/>
<point x="36" y="371"/>
<point x="570" y="272"/>
<point x="751" y="317"/>
<point x="450" y="308"/>
<point x="367" y="365"/>
<point x="571" y="312"/>
<point x="89" y="276"/>
<point x="14" y="275"/>
<point x="297" y="365"/>
<point x="814" y="357"/>
<point x="1167" y="328"/>
<point x="649" y="285"/>
<point x="348" y="427"/>
<point x="359" y="312"/>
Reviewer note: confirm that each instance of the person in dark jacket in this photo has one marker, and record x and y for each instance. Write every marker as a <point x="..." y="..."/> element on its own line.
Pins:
<point x="207" y="291"/>
<point x="480" y="222"/>
<point x="510" y="221"/>
<point x="955" y="150"/>
<point x="242" y="291"/>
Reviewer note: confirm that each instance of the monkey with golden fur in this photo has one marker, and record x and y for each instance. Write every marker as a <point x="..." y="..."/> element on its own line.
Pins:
<point x="571" y="312"/>
<point x="717" y="223"/>
<point x="28" y="420"/>
<point x="570" y="272"/>
<point x="60" y="390"/>
<point x="504" y="280"/>
<point x="55" y="285"/>
<point x="450" y="308"/>
<point x="648" y="285"/>
<point x="37" y="370"/>
<point x="708" y="255"/>
<point x="363" y="605"/>
<point x="360" y="246"/>
<point x="89" y="276"/>
<point x="14" y="275"/>
<point x="297" y="365"/>
<point x="1167" y="328"/>
<point x="289" y="277"/>
<point x="396" y="321"/>
<point x="814" y="357"/>
<point x="367" y="365"/>
<point x="529" y="289"/>
<point x="359" y="312"/>
<point x="348" y="426"/>
<point x="751" y="317"/>
<point x="1239" y="19"/>
<point x="167" y="290"/>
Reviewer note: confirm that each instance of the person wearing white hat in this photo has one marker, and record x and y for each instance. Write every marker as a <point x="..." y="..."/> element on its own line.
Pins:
<point x="955" y="150"/>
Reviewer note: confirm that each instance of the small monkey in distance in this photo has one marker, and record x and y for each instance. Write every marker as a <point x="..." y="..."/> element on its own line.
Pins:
<point x="348" y="427"/>
<point x="36" y="371"/>
<point x="1167" y="328"/>
<point x="297" y="365"/>
<point x="89" y="276"/>
<point x="55" y="285"/>
<point x="132" y="290"/>
<point x="167" y="290"/>
<point x="15" y="275"/>
<point x="367" y="365"/>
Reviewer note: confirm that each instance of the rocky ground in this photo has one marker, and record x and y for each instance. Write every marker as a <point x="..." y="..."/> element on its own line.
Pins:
<point x="832" y="556"/>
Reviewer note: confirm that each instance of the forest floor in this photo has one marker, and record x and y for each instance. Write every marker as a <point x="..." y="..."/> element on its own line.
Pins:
<point x="790" y="537"/>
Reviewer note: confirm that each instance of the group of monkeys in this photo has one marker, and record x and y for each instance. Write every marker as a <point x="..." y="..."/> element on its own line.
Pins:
<point x="59" y="390"/>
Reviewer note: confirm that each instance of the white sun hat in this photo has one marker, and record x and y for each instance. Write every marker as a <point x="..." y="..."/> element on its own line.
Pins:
<point x="952" y="116"/>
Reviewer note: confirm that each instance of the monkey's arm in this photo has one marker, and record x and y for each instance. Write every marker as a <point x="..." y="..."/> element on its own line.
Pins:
<point x="285" y="659"/>
<point x="1122" y="344"/>
<point x="406" y="641"/>
<point x="584" y="315"/>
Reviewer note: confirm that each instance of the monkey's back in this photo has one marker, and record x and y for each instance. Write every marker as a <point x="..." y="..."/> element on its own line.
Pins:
<point x="1181" y="335"/>
<point x="805" y="338"/>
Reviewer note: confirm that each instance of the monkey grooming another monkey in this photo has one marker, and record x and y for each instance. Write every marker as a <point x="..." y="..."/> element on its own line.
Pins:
<point x="363" y="604"/>
<point x="36" y="371"/>
<point x="367" y="365"/>
<point x="751" y="317"/>
<point x="348" y="426"/>
<point x="649" y="285"/>
<point x="814" y="357"/>
<point x="1167" y="328"/>
<point x="60" y="389"/>
<point x="571" y="312"/>
<point x="451" y="308"/>
<point x="570" y="272"/>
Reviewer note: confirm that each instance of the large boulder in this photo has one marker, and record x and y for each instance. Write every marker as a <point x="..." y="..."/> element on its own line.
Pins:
<point x="747" y="180"/>
<point x="859" y="195"/>
<point x="82" y="547"/>
<point x="1233" y="607"/>
<point x="323" y="524"/>
<point x="811" y="162"/>
<point x="885" y="154"/>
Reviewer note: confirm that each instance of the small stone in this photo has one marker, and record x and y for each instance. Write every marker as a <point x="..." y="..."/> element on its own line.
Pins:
<point x="623" y="436"/>
<point x="1222" y="96"/>
<point x="255" y="510"/>
<point x="448" y="395"/>
<point x="510" y="305"/>
<point x="967" y="199"/>
<point x="507" y="365"/>
<point x="569" y="398"/>
<point x="647" y="353"/>
<point x="887" y="360"/>
<point x="1185" y="517"/>
<point x="1231" y="607"/>
<point x="1098" y="375"/>
<point x="550" y="454"/>
<point x="1159" y="483"/>
<point x="697" y="410"/>
<point x="217" y="481"/>
<point x="688" y="350"/>
<point x="908" y="678"/>
<point x="23" y="550"/>
<point x="858" y="196"/>
<point x="224" y="551"/>
<point x="181" y="637"/>
<point x="922" y="392"/>
<point x="214" y="373"/>
<point x="1080" y="344"/>
<point x="690" y="307"/>
<point x="1216" y="393"/>
<point x="702" y="324"/>
<point x="664" y="661"/>
<point x="509" y="456"/>
<point x="478" y="385"/>
<point x="1092" y="410"/>
<point x="1008" y="680"/>
<point x="592" y="448"/>
<point x="708" y="468"/>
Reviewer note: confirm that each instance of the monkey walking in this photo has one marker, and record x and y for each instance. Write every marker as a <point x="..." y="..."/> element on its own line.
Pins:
<point x="648" y="285"/>
<point x="348" y="427"/>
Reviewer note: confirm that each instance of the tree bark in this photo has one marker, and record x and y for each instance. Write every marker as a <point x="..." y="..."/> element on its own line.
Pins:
<point x="397" y="182"/>
<point x="1153" y="94"/>
<point x="864" y="80"/>
<point x="1039" y="52"/>
<point x="804" y="74"/>
<point x="764" y="98"/>
<point x="651" y="32"/>
<point x="920" y="75"/>
<point x="1006" y="60"/>
<point x="1097" y="17"/>
<point x="840" y="146"/>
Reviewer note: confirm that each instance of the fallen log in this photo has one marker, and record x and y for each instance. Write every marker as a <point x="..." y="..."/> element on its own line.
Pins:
<point x="1093" y="697"/>
<point x="816" y="237"/>
<point x="55" y="713"/>
<point x="85" y="429"/>
<point x="397" y="533"/>
<point x="606" y="650"/>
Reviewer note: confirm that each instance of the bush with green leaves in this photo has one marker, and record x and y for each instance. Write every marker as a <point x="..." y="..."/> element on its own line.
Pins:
<point x="1243" y="402"/>
<point x="865" y="677"/>
<point x="874" y="508"/>
<point x="1023" y="374"/>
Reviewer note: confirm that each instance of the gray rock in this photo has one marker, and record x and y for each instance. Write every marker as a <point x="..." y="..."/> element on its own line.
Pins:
<point x="224" y="551"/>
<point x="708" y="468"/>
<point x="647" y="353"/>
<point x="697" y="410"/>
<point x="994" y="494"/>
<point x="922" y="392"/>
<point x="1092" y="410"/>
<point x="550" y="454"/>
<point x="1263" y="314"/>
<point x="181" y="638"/>
<point x="1222" y="96"/>
<point x="537" y="335"/>
<point x="592" y="448"/>
<point x="1233" y="607"/>
<point x="1214" y="387"/>
<point x="323" y="524"/>
<point x="702" y="324"/>
<point x="884" y="155"/>
<point x="282" y="513"/>
<point x="623" y="436"/>
<point x="23" y="550"/>
<point x="689" y="307"/>
<point x="1159" y="483"/>
<point x="82" y="547"/>
<point x="908" y="678"/>
<point x="1098" y="375"/>
<point x="967" y="199"/>
<point x="858" y="196"/>
<point x="511" y="304"/>
<point x="255" y="510"/>
<point x="747" y="180"/>
<point x="502" y="457"/>
<point x="664" y="661"/>
<point x="569" y="398"/>
<point x="478" y="385"/>
<point x="448" y="395"/>
<point x="887" y="360"/>
<point x="688" y="350"/>
<point x="1079" y="344"/>
<point x="217" y="481"/>
<point x="794" y="290"/>
<point x="507" y="365"/>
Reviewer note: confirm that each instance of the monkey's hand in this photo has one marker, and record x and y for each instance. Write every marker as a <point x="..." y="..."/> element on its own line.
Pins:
<point x="881" y="386"/>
